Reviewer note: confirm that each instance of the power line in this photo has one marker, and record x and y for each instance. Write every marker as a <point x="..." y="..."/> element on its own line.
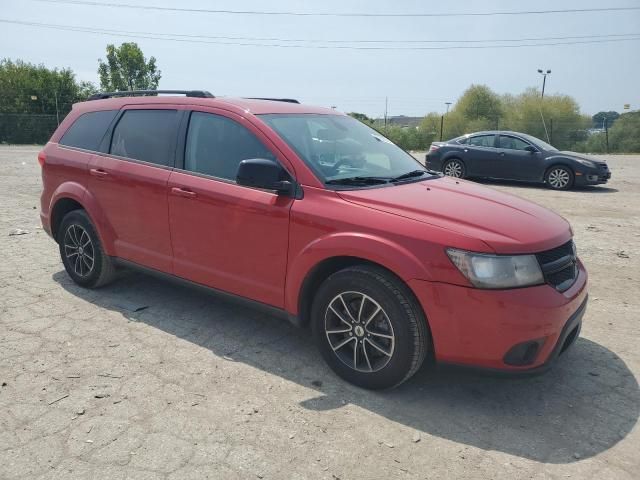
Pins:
<point x="171" y="37"/>
<point x="330" y="41"/>
<point x="335" y="14"/>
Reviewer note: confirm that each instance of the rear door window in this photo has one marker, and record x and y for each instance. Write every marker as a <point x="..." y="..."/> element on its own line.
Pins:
<point x="147" y="135"/>
<point x="88" y="129"/>
<point x="216" y="145"/>
<point x="482" y="141"/>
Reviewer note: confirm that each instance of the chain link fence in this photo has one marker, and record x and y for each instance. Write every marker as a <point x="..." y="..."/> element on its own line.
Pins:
<point x="27" y="128"/>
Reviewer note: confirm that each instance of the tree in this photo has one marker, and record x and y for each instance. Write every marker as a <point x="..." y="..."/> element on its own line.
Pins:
<point x="126" y="68"/>
<point x="564" y="123"/>
<point x="600" y="118"/>
<point x="624" y="136"/>
<point x="481" y="104"/>
<point x="362" y="117"/>
<point x="29" y="88"/>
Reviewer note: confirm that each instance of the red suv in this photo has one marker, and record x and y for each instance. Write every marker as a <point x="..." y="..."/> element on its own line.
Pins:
<point x="316" y="216"/>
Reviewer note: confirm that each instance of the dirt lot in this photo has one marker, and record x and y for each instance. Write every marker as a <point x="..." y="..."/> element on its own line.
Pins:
<point x="145" y="379"/>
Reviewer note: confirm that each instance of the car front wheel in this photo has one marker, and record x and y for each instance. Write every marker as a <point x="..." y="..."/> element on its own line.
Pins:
<point x="369" y="328"/>
<point x="559" y="178"/>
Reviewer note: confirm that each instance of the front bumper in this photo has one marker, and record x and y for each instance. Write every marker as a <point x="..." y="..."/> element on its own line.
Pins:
<point x="478" y="328"/>
<point x="592" y="176"/>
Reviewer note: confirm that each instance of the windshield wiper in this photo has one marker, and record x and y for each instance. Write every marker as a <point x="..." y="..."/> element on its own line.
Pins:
<point x="411" y="174"/>
<point x="358" y="181"/>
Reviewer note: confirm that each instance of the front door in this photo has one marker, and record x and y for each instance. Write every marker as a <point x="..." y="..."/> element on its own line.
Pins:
<point x="224" y="235"/>
<point x="514" y="161"/>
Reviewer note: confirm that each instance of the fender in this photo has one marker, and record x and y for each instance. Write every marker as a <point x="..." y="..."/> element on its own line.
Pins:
<point x="80" y="194"/>
<point x="382" y="251"/>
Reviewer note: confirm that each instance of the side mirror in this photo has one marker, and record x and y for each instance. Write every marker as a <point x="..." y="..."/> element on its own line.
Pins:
<point x="263" y="173"/>
<point x="531" y="149"/>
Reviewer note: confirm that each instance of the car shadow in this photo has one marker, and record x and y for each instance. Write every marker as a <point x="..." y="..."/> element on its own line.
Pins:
<point x="540" y="186"/>
<point x="584" y="406"/>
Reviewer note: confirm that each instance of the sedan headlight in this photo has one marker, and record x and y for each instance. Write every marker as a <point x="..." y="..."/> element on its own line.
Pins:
<point x="497" y="271"/>
<point x="585" y="162"/>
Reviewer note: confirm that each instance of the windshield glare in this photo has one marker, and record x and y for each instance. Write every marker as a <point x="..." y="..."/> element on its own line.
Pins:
<point x="338" y="146"/>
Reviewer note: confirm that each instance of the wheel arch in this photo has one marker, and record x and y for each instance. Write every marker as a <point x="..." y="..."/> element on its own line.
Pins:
<point x="73" y="196"/>
<point x="322" y="258"/>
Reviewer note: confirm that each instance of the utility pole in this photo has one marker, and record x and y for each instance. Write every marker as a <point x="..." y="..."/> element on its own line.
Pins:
<point x="386" y="106"/>
<point x="606" y="132"/>
<point x="55" y="94"/>
<point x="448" y="104"/>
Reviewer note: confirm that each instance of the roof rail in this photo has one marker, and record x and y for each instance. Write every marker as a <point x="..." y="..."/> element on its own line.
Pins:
<point x="288" y="100"/>
<point x="137" y="93"/>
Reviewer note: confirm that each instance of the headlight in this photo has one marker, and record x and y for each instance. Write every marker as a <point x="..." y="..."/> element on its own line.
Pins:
<point x="585" y="162"/>
<point x="497" y="271"/>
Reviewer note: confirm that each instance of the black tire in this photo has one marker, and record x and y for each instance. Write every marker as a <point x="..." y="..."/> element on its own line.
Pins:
<point x="81" y="251"/>
<point x="401" y="318"/>
<point x="455" y="168"/>
<point x="559" y="177"/>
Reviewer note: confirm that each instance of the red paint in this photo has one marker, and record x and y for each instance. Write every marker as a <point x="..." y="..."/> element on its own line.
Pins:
<point x="262" y="246"/>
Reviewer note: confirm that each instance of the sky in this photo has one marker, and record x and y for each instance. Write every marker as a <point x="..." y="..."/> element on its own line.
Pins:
<point x="600" y="76"/>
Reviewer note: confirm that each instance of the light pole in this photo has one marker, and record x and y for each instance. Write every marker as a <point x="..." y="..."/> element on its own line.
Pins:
<point x="544" y="78"/>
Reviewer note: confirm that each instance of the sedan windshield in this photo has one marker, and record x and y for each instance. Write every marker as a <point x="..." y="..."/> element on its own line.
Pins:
<point x="344" y="151"/>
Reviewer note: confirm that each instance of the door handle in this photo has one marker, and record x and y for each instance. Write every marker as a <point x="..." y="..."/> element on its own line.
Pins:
<point x="182" y="192"/>
<point x="98" y="172"/>
<point x="502" y="154"/>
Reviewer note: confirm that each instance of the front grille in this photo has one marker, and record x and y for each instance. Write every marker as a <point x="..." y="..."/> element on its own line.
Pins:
<point x="559" y="266"/>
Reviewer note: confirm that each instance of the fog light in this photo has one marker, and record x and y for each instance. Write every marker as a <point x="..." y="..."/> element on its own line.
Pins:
<point x="524" y="353"/>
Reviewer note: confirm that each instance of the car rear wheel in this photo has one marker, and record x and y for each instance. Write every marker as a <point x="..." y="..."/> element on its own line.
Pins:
<point x="454" y="168"/>
<point x="81" y="251"/>
<point x="559" y="178"/>
<point x="369" y="328"/>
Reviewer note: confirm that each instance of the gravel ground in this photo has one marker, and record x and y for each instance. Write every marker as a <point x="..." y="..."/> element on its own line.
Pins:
<point x="144" y="379"/>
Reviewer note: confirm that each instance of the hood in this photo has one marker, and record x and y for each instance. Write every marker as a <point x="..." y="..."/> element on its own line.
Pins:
<point x="580" y="156"/>
<point x="506" y="223"/>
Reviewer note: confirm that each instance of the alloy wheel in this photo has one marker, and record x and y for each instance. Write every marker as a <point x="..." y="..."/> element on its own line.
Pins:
<point x="559" y="178"/>
<point x="79" y="250"/>
<point x="359" y="331"/>
<point x="453" y="169"/>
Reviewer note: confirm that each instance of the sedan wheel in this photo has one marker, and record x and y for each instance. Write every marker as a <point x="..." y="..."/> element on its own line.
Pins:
<point x="560" y="178"/>
<point x="454" y="168"/>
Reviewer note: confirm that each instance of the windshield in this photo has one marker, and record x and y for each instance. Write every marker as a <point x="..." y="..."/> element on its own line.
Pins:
<point x="540" y="144"/>
<point x="342" y="150"/>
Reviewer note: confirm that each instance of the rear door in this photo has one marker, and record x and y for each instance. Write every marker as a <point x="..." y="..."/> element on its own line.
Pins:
<point x="514" y="161"/>
<point x="224" y="235"/>
<point x="479" y="152"/>
<point x="130" y="183"/>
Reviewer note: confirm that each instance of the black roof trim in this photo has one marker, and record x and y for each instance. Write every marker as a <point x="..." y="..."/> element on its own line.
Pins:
<point x="287" y="100"/>
<point x="138" y="93"/>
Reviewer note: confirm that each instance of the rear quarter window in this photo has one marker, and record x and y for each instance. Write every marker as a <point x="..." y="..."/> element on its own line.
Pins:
<point x="88" y="129"/>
